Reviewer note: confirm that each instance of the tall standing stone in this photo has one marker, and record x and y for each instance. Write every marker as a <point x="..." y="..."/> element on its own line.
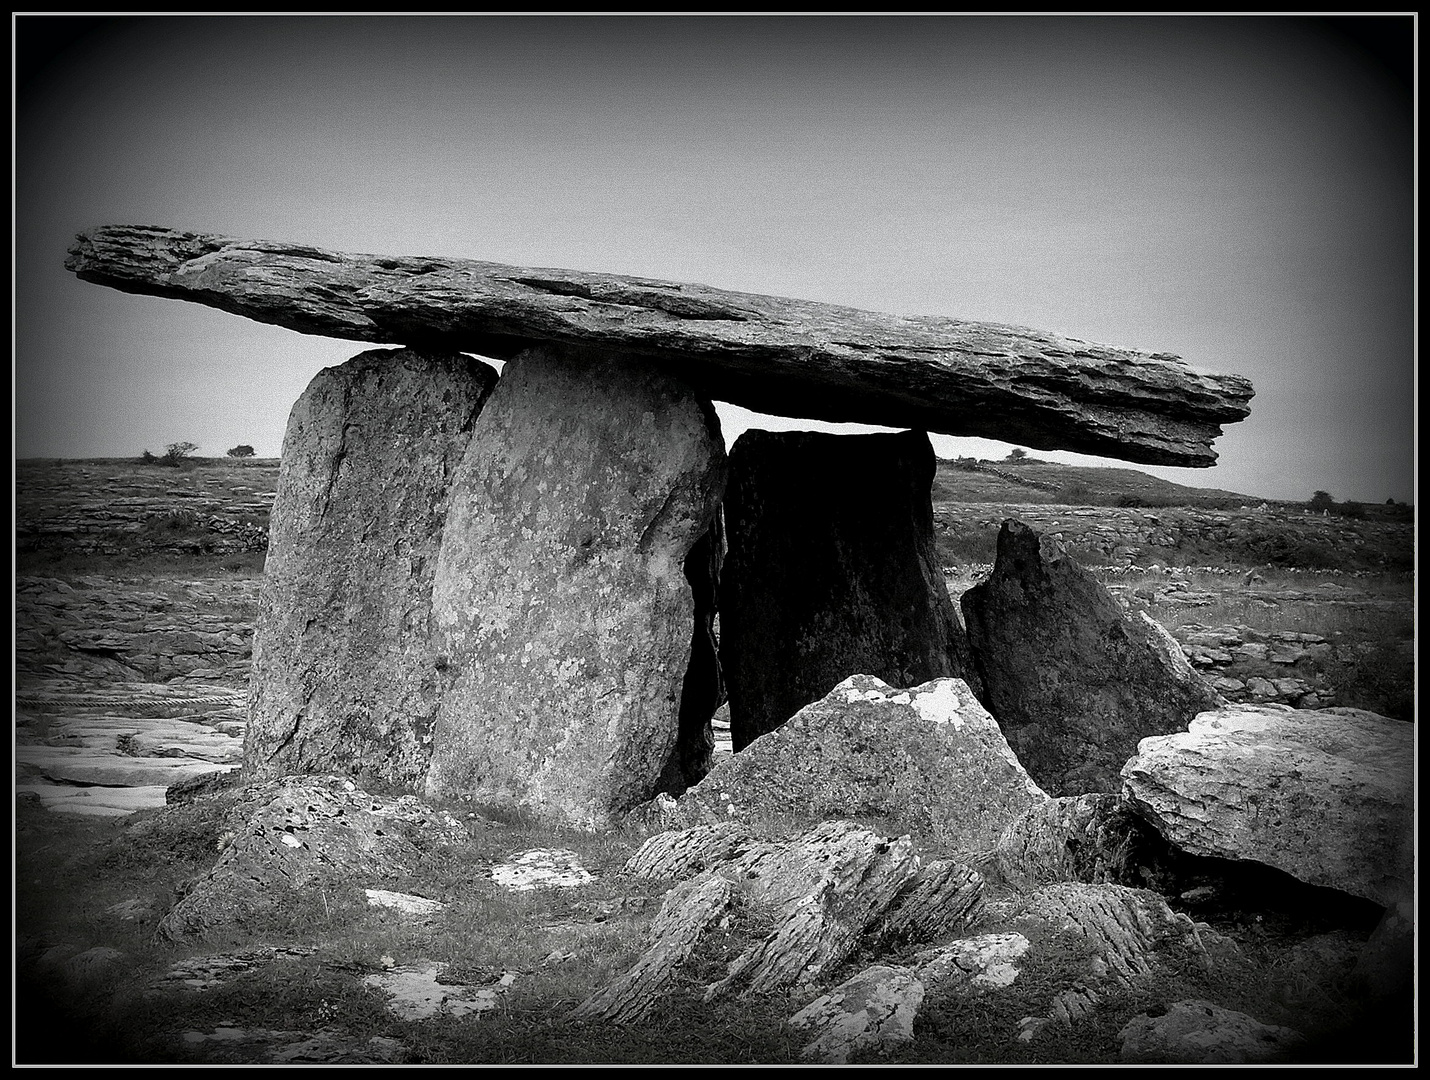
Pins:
<point x="1073" y="680"/>
<point x="560" y="597"/>
<point x="831" y="572"/>
<point x="343" y="679"/>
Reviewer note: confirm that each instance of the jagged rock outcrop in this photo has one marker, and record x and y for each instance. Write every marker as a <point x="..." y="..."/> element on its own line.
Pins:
<point x="831" y="572"/>
<point x="1073" y="680"/>
<point x="769" y="354"/>
<point x="929" y="760"/>
<point x="823" y="890"/>
<point x="1094" y="838"/>
<point x="1326" y="795"/>
<point x="563" y="617"/>
<point x="344" y="675"/>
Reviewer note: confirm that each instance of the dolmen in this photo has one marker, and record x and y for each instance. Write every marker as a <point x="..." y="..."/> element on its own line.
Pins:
<point x="533" y="586"/>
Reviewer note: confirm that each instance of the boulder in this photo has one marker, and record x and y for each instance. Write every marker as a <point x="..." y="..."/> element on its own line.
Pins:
<point x="1325" y="795"/>
<point x="929" y="760"/>
<point x="831" y="572"/>
<point x="1074" y="681"/>
<point x="1197" y="1032"/>
<point x="343" y="674"/>
<point x="770" y="354"/>
<point x="563" y="616"/>
<point x="871" y="1011"/>
<point x="290" y="837"/>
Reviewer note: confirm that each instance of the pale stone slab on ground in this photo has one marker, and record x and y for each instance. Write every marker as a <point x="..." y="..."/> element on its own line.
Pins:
<point x="418" y="995"/>
<point x="542" y="868"/>
<point x="403" y="902"/>
<point x="95" y="800"/>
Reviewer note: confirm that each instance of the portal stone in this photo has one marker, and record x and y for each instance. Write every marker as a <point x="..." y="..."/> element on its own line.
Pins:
<point x="562" y="611"/>
<point x="342" y="677"/>
<point x="831" y="572"/>
<point x="1073" y="681"/>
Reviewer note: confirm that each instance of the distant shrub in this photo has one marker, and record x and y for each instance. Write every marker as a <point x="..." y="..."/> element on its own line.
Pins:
<point x="175" y="454"/>
<point x="1075" y="493"/>
<point x="1351" y="510"/>
<point x="242" y="450"/>
<point x="1017" y="454"/>
<point x="148" y="458"/>
<point x="1322" y="500"/>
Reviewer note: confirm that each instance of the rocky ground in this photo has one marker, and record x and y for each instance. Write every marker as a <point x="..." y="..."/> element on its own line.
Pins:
<point x="137" y="587"/>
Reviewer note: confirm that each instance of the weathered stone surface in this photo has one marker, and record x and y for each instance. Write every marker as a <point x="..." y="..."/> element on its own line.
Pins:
<point x="686" y="853"/>
<point x="873" y="1010"/>
<point x="831" y="572"/>
<point x="420" y="992"/>
<point x="770" y="354"/>
<point x="830" y="886"/>
<point x="929" y="759"/>
<point x="944" y="897"/>
<point x="77" y="765"/>
<point x="1325" y="795"/>
<point x="1121" y="926"/>
<point x="542" y="868"/>
<point x="1073" y="681"/>
<point x="344" y="678"/>
<point x="1094" y="838"/>
<point x="562" y="611"/>
<point x="825" y="891"/>
<point x="293" y="834"/>
<point x="1200" y="1033"/>
<point x="981" y="962"/>
<point x="689" y="912"/>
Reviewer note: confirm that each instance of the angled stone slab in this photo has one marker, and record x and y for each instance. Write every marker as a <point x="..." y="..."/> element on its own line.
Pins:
<point x="1072" y="679"/>
<point x="344" y="679"/>
<point x="561" y="605"/>
<point x="770" y="354"/>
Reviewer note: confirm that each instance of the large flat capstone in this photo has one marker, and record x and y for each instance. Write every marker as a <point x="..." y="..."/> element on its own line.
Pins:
<point x="343" y="675"/>
<point x="770" y="354"/>
<point x="563" y="617"/>
<point x="831" y="572"/>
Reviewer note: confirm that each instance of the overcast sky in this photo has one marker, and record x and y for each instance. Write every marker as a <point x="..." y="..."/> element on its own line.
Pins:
<point x="1239" y="191"/>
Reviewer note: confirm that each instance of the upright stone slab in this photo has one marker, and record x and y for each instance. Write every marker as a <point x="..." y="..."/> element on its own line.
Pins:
<point x="831" y="572"/>
<point x="343" y="680"/>
<point x="560" y="599"/>
<point x="1072" y="680"/>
